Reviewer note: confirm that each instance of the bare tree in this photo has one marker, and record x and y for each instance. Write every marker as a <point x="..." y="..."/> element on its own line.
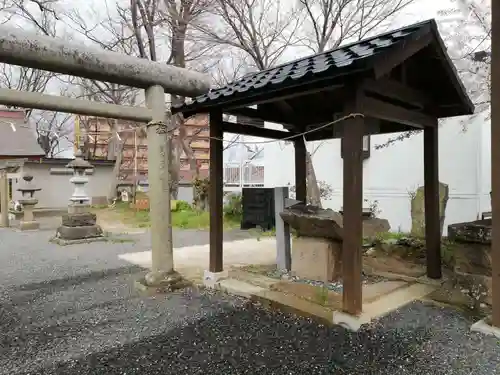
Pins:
<point x="329" y="23"/>
<point x="466" y="27"/>
<point x="158" y="30"/>
<point x="113" y="33"/>
<point x="53" y="129"/>
<point x="41" y="16"/>
<point x="262" y="29"/>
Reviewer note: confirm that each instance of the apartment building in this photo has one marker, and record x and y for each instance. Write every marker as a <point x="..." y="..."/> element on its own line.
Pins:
<point x="102" y="142"/>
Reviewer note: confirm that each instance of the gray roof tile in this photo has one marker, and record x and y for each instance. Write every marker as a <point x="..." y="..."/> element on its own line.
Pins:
<point x="326" y="63"/>
<point x="17" y="140"/>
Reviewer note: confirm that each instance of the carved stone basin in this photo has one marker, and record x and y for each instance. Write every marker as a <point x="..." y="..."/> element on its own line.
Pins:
<point x="312" y="221"/>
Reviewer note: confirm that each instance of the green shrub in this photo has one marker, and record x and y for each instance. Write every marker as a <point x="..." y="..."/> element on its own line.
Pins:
<point x="233" y="209"/>
<point x="178" y="205"/>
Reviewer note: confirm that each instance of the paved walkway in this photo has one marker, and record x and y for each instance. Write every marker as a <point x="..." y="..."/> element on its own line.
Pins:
<point x="73" y="310"/>
<point x="236" y="253"/>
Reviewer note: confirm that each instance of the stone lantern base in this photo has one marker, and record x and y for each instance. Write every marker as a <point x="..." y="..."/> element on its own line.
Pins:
<point x="80" y="227"/>
<point x="29" y="225"/>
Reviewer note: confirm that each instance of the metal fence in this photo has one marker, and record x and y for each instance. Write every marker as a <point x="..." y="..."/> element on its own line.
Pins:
<point x="243" y="174"/>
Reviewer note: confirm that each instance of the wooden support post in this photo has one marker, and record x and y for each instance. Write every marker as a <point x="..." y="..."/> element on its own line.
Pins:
<point x="431" y="191"/>
<point x="216" y="192"/>
<point x="495" y="160"/>
<point x="300" y="170"/>
<point x="352" y="260"/>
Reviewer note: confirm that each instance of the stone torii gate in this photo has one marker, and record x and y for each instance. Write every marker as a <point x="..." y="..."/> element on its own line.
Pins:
<point x="18" y="47"/>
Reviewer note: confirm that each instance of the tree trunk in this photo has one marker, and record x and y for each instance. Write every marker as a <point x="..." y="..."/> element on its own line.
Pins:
<point x="313" y="191"/>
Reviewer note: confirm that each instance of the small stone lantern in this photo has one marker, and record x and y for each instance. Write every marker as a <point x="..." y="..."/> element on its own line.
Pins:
<point x="27" y="189"/>
<point x="79" y="224"/>
<point x="80" y="201"/>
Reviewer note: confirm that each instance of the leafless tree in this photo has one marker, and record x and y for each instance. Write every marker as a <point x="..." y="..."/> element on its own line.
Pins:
<point x="466" y="27"/>
<point x="41" y="16"/>
<point x="328" y="24"/>
<point x="53" y="129"/>
<point x="157" y="30"/>
<point x="265" y="29"/>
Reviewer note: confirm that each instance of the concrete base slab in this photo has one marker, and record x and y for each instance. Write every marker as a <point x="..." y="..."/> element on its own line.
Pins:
<point x="29" y="225"/>
<point x="383" y="306"/>
<point x="213" y="279"/>
<point x="485" y="328"/>
<point x="349" y="322"/>
<point x="63" y="242"/>
<point x="240" y="288"/>
<point x="396" y="300"/>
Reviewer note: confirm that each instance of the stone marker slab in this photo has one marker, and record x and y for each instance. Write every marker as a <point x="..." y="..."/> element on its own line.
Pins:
<point x="418" y="209"/>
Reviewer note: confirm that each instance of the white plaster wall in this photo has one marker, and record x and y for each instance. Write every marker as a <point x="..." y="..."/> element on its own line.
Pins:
<point x="485" y="187"/>
<point x="390" y="174"/>
<point x="56" y="188"/>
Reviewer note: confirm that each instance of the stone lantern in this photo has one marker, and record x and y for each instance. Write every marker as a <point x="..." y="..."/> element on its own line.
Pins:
<point x="80" y="201"/>
<point x="79" y="224"/>
<point x="27" y="189"/>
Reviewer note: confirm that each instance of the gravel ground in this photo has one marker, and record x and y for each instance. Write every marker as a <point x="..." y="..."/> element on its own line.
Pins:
<point x="72" y="310"/>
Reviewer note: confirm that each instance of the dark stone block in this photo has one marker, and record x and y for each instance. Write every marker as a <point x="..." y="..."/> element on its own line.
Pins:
<point x="79" y="220"/>
<point x="78" y="233"/>
<point x="312" y="221"/>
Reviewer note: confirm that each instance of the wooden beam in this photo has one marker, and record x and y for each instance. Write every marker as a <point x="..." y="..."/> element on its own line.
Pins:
<point x="352" y="261"/>
<point x="431" y="192"/>
<point x="396" y="90"/>
<point x="300" y="170"/>
<point x="216" y="192"/>
<point x="254" y="131"/>
<point x="495" y="160"/>
<point x="401" y="52"/>
<point x="385" y="111"/>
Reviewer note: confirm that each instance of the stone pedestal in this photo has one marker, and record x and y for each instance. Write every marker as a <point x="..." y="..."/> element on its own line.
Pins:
<point x="472" y="260"/>
<point x="316" y="259"/>
<point x="316" y="253"/>
<point x="79" y="226"/>
<point x="27" y="189"/>
<point x="28" y="221"/>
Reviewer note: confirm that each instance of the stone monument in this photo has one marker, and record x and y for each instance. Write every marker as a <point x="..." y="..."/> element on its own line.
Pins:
<point x="28" y="202"/>
<point x="418" y="210"/>
<point x="79" y="224"/>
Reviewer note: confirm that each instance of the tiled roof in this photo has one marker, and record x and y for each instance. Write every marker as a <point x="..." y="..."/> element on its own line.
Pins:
<point x="330" y="63"/>
<point x="17" y="138"/>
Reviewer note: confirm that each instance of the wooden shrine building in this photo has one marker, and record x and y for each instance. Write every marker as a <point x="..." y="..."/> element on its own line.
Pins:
<point x="394" y="82"/>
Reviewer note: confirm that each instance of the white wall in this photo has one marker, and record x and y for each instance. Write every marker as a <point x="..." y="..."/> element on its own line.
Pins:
<point x="390" y="174"/>
<point x="485" y="186"/>
<point x="56" y="188"/>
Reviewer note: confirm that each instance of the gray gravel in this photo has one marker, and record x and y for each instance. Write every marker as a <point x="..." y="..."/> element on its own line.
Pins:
<point x="72" y="310"/>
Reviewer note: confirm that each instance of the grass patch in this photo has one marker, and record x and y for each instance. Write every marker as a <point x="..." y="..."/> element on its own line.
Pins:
<point x="185" y="219"/>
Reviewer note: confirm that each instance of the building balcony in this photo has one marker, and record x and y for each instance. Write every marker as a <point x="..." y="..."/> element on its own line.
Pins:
<point x="244" y="174"/>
